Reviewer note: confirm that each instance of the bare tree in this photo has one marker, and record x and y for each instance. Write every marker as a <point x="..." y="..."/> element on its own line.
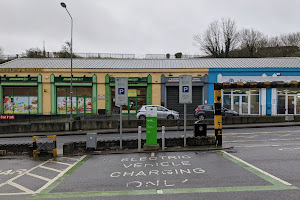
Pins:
<point x="230" y="35"/>
<point x="291" y="39"/>
<point x="219" y="38"/>
<point x="274" y="42"/>
<point x="252" y="40"/>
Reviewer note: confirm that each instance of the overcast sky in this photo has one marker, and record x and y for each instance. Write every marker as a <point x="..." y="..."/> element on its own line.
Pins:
<point x="134" y="26"/>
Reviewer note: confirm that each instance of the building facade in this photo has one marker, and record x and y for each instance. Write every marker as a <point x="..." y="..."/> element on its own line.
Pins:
<point x="42" y="86"/>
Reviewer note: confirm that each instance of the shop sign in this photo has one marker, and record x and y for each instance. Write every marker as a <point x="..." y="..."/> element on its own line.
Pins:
<point x="132" y="93"/>
<point x="19" y="79"/>
<point x="21" y="70"/>
<point x="176" y="79"/>
<point x="74" y="79"/>
<point x="7" y="117"/>
<point x="132" y="80"/>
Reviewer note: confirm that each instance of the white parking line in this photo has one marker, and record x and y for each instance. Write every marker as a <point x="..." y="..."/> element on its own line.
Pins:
<point x="52" y="169"/>
<point x="252" y="166"/>
<point x="62" y="163"/>
<point x="20" y="187"/>
<point x="49" y="181"/>
<point x="39" y="177"/>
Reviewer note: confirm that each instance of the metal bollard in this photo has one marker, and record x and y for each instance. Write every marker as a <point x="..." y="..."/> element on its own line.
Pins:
<point x="163" y="137"/>
<point x="139" y="138"/>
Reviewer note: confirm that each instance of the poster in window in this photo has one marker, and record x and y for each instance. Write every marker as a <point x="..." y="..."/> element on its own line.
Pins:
<point x="21" y="105"/>
<point x="80" y="104"/>
<point x="88" y="105"/>
<point x="69" y="105"/>
<point x="33" y="105"/>
<point x="61" y="105"/>
<point x="8" y="105"/>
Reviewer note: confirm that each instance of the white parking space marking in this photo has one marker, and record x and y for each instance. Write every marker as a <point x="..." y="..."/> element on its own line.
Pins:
<point x="159" y="192"/>
<point x="52" y="169"/>
<point x="49" y="181"/>
<point x="252" y="166"/>
<point x="20" y="187"/>
<point x="39" y="177"/>
<point x="62" y="163"/>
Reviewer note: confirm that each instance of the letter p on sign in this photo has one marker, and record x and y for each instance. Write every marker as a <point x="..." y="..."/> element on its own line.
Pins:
<point x="185" y="89"/>
<point x="121" y="91"/>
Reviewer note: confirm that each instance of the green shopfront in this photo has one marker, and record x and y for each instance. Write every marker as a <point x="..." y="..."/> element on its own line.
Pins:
<point x="139" y="94"/>
<point x="84" y="96"/>
<point x="21" y="95"/>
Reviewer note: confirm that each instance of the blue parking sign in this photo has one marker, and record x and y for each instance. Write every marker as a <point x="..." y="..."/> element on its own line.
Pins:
<point x="121" y="91"/>
<point x="185" y="89"/>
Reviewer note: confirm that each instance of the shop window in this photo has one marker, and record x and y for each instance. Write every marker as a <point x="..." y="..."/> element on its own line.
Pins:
<point x="81" y="100"/>
<point x="20" y="100"/>
<point x="227" y="101"/>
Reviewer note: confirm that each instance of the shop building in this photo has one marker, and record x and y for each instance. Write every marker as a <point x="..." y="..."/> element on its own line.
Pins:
<point x="264" y="101"/>
<point x="45" y="84"/>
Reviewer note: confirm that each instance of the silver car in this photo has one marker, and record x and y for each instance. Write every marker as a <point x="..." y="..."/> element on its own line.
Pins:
<point x="162" y="113"/>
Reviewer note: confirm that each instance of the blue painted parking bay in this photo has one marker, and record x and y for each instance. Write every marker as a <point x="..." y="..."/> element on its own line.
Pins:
<point x="162" y="173"/>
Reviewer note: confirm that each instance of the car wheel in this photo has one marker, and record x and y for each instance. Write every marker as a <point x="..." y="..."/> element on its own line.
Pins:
<point x="170" y="117"/>
<point x="142" y="117"/>
<point x="201" y="117"/>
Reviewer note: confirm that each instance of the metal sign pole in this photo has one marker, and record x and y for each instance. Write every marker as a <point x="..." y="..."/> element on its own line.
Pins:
<point x="121" y="127"/>
<point x="184" y="125"/>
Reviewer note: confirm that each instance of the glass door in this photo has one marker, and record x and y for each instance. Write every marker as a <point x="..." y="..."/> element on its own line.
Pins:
<point x="132" y="105"/>
<point x="281" y="104"/>
<point x="236" y="103"/>
<point x="244" y="104"/>
<point x="291" y="106"/>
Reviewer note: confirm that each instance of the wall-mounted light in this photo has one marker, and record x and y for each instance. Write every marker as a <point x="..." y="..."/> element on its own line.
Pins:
<point x="278" y="74"/>
<point x="46" y="77"/>
<point x="59" y="75"/>
<point x="84" y="76"/>
<point x="45" y="90"/>
<point x="156" y="80"/>
<point x="16" y="75"/>
<point x="4" y="75"/>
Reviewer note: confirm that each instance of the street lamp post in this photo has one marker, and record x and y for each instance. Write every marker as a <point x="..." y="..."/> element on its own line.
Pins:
<point x="71" y="49"/>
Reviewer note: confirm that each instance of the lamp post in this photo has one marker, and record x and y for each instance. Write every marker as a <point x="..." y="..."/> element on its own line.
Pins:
<point x="71" y="49"/>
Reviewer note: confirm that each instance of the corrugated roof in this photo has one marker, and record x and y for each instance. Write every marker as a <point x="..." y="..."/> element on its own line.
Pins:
<point x="60" y="63"/>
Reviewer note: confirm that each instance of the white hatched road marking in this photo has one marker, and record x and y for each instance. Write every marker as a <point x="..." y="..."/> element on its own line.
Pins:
<point x="62" y="163"/>
<point x="39" y="177"/>
<point x="20" y="187"/>
<point x="52" y="169"/>
<point x="72" y="158"/>
<point x="50" y="181"/>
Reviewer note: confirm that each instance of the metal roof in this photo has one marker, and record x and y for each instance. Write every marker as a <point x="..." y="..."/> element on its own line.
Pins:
<point x="61" y="63"/>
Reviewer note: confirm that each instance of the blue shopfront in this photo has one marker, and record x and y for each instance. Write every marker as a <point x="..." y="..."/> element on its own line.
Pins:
<point x="264" y="101"/>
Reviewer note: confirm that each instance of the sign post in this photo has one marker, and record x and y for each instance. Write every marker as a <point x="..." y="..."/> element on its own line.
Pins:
<point x="185" y="96"/>
<point x="121" y="93"/>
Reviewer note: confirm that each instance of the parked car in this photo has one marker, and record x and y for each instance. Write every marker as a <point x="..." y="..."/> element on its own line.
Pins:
<point x="162" y="113"/>
<point x="207" y="111"/>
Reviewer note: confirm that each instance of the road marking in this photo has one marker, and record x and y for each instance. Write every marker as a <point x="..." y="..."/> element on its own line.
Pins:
<point x="72" y="158"/>
<point x="59" y="175"/>
<point x="39" y="177"/>
<point x="160" y="192"/>
<point x="62" y="163"/>
<point x="20" y="187"/>
<point x="27" y="172"/>
<point x="257" y="169"/>
<point x="52" y="169"/>
<point x="277" y="184"/>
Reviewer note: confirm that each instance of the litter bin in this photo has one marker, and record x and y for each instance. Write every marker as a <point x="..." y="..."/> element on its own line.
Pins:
<point x="200" y="129"/>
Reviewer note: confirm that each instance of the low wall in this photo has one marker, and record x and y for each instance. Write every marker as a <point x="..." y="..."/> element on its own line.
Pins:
<point x="114" y="124"/>
<point x="80" y="147"/>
